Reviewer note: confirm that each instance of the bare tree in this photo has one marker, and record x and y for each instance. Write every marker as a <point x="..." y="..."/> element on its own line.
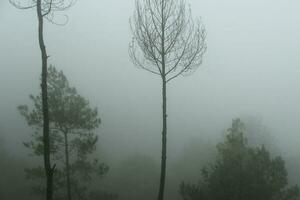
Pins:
<point x="45" y="9"/>
<point x="169" y="43"/>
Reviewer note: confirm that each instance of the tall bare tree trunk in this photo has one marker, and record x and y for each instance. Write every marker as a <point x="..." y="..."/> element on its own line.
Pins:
<point x="46" y="133"/>
<point x="67" y="166"/>
<point x="164" y="141"/>
<point x="166" y="42"/>
<point x="164" y="110"/>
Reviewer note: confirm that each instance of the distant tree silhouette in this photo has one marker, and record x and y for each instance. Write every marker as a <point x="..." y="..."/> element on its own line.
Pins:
<point x="257" y="133"/>
<point x="242" y="173"/>
<point x="12" y="175"/>
<point x="45" y="9"/>
<point x="71" y="122"/>
<point x="100" y="195"/>
<point x="169" y="43"/>
<point x="197" y="153"/>
<point x="135" y="177"/>
<point x="3" y="160"/>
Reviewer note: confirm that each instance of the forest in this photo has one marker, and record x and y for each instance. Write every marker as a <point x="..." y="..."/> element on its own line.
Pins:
<point x="149" y="99"/>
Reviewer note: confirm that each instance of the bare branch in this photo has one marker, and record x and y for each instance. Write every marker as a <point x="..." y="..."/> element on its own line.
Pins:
<point x="18" y="5"/>
<point x="48" y="8"/>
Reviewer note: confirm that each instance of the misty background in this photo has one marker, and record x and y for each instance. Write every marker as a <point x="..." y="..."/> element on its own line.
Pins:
<point x="251" y="69"/>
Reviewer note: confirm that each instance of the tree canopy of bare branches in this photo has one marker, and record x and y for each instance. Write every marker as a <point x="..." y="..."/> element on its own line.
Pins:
<point x="167" y="41"/>
<point x="48" y="7"/>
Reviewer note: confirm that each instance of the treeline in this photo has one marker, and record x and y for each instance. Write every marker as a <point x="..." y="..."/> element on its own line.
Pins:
<point x="234" y="168"/>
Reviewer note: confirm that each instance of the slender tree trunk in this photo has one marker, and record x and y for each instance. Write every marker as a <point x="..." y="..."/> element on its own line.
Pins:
<point x="164" y="141"/>
<point x="164" y="110"/>
<point x="46" y="133"/>
<point x="67" y="166"/>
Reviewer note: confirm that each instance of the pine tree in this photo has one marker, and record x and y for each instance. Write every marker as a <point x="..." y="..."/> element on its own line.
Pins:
<point x="73" y="140"/>
<point x="242" y="173"/>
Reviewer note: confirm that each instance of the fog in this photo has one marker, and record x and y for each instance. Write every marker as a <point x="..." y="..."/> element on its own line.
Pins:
<point x="250" y="70"/>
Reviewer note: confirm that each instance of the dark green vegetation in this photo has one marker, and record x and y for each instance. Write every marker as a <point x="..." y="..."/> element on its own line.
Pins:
<point x="73" y="141"/>
<point x="242" y="172"/>
<point x="237" y="170"/>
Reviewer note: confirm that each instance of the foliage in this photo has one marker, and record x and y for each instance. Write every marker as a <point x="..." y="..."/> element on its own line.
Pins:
<point x="242" y="173"/>
<point x="72" y="123"/>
